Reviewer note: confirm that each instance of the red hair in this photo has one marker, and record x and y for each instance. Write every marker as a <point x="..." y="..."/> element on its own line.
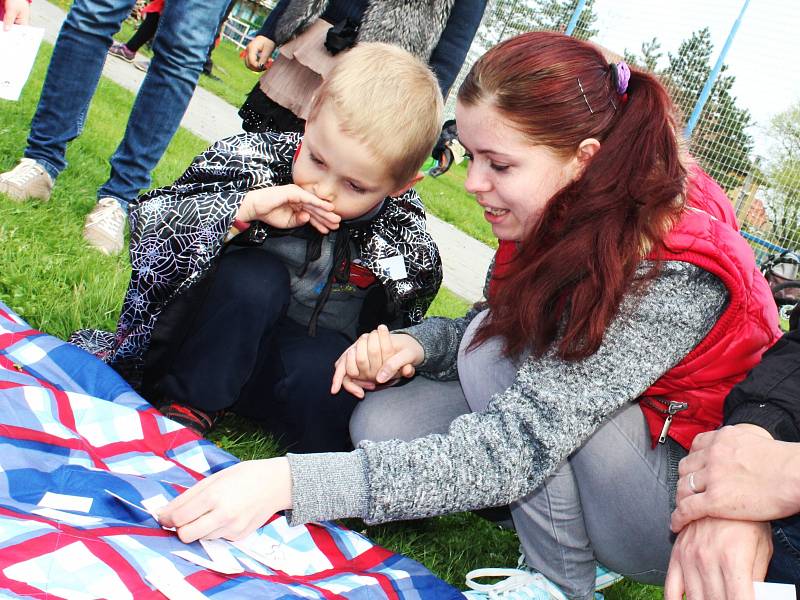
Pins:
<point x="570" y="273"/>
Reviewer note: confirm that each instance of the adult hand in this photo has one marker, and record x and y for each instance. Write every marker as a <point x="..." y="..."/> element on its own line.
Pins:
<point x="718" y="559"/>
<point x="377" y="357"/>
<point x="17" y="11"/>
<point x="288" y="206"/>
<point x="257" y="52"/>
<point x="739" y="472"/>
<point x="231" y="503"/>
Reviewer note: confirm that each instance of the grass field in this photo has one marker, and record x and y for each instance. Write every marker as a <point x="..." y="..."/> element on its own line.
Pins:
<point x="49" y="276"/>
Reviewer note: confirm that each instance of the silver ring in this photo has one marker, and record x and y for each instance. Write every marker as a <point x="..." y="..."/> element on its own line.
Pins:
<point x="692" y="486"/>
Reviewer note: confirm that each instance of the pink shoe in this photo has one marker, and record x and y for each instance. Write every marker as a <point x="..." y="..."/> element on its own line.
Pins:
<point x="120" y="50"/>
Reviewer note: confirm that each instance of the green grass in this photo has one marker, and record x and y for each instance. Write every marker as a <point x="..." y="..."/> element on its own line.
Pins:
<point x="52" y="280"/>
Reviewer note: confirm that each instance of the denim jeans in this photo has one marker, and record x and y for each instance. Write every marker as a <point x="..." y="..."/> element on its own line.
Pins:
<point x="785" y="564"/>
<point x="185" y="32"/>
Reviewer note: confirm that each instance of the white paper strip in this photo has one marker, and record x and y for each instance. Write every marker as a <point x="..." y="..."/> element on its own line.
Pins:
<point x="774" y="591"/>
<point x="173" y="586"/>
<point x="65" y="517"/>
<point x="207" y="564"/>
<point x="220" y="554"/>
<point x="130" y="503"/>
<point x="66" y="502"/>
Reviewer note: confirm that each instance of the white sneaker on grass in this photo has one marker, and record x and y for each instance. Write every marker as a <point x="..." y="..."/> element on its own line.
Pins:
<point x="27" y="180"/>
<point x="524" y="583"/>
<point x="516" y="584"/>
<point x="105" y="226"/>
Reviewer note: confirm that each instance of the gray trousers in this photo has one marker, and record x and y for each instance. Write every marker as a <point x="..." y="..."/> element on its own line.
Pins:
<point x="608" y="502"/>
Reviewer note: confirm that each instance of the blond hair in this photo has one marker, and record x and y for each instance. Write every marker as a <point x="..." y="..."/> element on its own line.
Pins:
<point x="388" y="99"/>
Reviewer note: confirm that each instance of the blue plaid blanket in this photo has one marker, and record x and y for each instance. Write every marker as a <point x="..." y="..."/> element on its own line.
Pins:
<point x="71" y="428"/>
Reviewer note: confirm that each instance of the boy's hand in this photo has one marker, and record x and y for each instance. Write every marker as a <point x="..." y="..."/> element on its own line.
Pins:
<point x="376" y="358"/>
<point x="288" y="206"/>
<point x="231" y="503"/>
<point x="257" y="53"/>
<point x="17" y="11"/>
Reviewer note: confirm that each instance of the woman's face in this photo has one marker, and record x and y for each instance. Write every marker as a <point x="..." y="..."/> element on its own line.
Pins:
<point x="511" y="178"/>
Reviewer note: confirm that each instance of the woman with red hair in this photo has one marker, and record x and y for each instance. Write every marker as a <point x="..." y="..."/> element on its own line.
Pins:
<point x="622" y="307"/>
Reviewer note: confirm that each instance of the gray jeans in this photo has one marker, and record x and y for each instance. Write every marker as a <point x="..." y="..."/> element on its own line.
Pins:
<point x="609" y="501"/>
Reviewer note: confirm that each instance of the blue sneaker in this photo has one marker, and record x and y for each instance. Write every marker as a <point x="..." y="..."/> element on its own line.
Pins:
<point x="604" y="578"/>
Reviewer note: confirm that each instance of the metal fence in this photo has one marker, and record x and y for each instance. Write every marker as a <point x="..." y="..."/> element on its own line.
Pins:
<point x="732" y="71"/>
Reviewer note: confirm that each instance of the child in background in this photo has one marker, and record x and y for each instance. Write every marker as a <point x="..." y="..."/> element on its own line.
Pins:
<point x="145" y="33"/>
<point x="338" y="245"/>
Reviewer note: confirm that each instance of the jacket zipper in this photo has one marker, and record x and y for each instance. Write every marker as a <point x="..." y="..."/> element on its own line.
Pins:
<point x="672" y="408"/>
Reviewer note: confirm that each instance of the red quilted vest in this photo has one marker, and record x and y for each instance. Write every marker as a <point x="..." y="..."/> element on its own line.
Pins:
<point x="746" y="329"/>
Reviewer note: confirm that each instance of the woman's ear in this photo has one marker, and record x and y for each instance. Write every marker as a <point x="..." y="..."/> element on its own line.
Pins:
<point x="586" y="151"/>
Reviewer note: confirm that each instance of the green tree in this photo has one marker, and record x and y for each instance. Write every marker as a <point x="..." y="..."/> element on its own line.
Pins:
<point x="720" y="140"/>
<point x="508" y="18"/>
<point x="782" y="172"/>
<point x="650" y="55"/>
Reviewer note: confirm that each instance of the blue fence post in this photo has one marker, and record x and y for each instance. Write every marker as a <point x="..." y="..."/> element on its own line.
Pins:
<point x="712" y="78"/>
<point x="573" y="21"/>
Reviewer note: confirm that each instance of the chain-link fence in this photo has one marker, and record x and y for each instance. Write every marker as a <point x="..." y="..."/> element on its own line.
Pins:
<point x="742" y="116"/>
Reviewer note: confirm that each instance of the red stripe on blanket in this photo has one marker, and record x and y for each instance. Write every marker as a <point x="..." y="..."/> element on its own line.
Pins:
<point x="341" y="564"/>
<point x="44" y="544"/>
<point x="202" y="581"/>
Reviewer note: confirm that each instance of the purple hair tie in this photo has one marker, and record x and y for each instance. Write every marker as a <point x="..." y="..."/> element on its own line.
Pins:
<point x="620" y="76"/>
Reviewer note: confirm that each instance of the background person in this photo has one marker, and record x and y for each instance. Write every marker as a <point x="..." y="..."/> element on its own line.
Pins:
<point x="145" y="32"/>
<point x="185" y="33"/>
<point x="610" y="287"/>
<point x="439" y="32"/>
<point x="739" y="488"/>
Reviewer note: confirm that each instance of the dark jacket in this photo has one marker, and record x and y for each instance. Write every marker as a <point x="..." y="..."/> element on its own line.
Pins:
<point x="178" y="231"/>
<point x="770" y="395"/>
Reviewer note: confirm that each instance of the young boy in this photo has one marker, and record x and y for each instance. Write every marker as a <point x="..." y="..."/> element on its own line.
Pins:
<point x="333" y="244"/>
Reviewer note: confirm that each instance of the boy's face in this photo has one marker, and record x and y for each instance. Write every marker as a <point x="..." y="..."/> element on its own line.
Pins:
<point x="340" y="168"/>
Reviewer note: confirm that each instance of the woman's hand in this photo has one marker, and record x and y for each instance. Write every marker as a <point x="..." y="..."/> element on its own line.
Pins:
<point x="17" y="12"/>
<point x="739" y="472"/>
<point x="257" y="52"/>
<point x="377" y="357"/>
<point x="231" y="503"/>
<point x="718" y="559"/>
<point x="288" y="206"/>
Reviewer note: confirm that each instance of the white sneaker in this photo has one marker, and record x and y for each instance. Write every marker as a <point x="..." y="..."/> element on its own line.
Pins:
<point x="523" y="583"/>
<point x="105" y="226"/>
<point x="27" y="180"/>
<point x="517" y="584"/>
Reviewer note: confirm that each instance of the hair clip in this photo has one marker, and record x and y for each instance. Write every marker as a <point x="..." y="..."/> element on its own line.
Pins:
<point x="585" y="99"/>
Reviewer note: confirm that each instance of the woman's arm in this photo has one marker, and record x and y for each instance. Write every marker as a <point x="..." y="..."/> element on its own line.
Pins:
<point x="451" y="50"/>
<point x="499" y="455"/>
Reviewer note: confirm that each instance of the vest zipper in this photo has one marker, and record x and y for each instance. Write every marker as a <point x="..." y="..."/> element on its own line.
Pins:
<point x="672" y="408"/>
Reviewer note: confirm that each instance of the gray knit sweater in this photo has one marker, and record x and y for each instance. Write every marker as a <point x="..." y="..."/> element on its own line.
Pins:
<point x="502" y="454"/>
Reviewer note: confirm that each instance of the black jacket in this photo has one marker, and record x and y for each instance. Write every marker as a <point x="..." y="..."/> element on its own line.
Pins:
<point x="770" y="395"/>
